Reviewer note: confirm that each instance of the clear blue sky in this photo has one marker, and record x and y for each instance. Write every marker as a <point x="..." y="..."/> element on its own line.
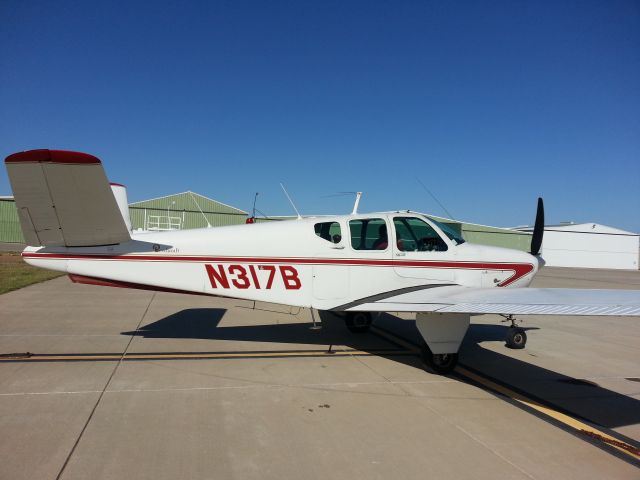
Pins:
<point x="489" y="104"/>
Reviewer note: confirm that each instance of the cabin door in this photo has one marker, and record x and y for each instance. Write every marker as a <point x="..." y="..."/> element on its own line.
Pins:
<point x="330" y="268"/>
<point x="420" y="252"/>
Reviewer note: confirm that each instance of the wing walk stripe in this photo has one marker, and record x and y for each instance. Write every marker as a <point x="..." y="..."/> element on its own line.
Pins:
<point x="382" y="296"/>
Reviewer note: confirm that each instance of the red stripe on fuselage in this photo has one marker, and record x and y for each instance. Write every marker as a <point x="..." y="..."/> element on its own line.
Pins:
<point x="519" y="269"/>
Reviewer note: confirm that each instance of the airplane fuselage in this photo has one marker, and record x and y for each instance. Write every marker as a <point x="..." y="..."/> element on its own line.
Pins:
<point x="319" y="262"/>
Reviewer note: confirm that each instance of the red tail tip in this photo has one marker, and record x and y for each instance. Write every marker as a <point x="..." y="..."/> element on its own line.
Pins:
<point x="51" y="156"/>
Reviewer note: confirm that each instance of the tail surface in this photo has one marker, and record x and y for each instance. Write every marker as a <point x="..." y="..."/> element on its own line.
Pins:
<point x="64" y="199"/>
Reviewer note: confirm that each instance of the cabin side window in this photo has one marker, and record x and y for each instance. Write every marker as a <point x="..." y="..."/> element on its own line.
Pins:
<point x="369" y="234"/>
<point x="329" y="231"/>
<point x="415" y="235"/>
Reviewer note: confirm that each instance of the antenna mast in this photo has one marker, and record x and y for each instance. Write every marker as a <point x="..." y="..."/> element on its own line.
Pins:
<point x="355" y="205"/>
<point x="291" y="201"/>
<point x="253" y="213"/>
<point x="203" y="215"/>
<point x="434" y="197"/>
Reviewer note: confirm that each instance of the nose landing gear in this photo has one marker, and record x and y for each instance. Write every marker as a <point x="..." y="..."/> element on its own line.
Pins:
<point x="516" y="336"/>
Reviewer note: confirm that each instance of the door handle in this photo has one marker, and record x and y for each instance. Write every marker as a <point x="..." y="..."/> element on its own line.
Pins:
<point x="400" y="254"/>
<point x="338" y="247"/>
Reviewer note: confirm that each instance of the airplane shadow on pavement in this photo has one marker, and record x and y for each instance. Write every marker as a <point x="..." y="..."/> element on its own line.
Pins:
<point x="584" y="399"/>
<point x="203" y="323"/>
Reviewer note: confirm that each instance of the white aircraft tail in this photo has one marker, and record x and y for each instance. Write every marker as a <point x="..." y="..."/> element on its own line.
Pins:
<point x="120" y="193"/>
<point x="64" y="199"/>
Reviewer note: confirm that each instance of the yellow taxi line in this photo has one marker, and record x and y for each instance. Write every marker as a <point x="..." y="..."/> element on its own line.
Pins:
<point x="550" y="412"/>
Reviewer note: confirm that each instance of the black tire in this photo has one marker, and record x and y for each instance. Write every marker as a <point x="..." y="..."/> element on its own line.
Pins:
<point x="440" y="363"/>
<point x="516" y="338"/>
<point x="358" y="322"/>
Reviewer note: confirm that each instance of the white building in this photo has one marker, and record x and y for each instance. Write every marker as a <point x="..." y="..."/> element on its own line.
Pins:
<point x="589" y="245"/>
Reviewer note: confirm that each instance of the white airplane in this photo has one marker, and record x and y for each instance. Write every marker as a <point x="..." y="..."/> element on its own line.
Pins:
<point x="76" y="222"/>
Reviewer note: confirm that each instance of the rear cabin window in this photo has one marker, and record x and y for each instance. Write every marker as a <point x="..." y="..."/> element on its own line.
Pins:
<point x="416" y="235"/>
<point x="329" y="231"/>
<point x="369" y="234"/>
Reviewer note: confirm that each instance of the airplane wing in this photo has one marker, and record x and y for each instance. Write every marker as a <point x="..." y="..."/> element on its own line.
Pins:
<point x="515" y="301"/>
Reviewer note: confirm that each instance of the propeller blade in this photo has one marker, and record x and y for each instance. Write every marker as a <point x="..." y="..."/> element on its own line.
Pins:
<point x="538" y="229"/>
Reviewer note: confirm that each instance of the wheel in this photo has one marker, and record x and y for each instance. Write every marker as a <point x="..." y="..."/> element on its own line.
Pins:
<point x="358" y="322"/>
<point x="441" y="363"/>
<point x="516" y="338"/>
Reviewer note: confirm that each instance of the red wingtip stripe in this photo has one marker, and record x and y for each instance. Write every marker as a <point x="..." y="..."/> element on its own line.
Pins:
<point x="51" y="156"/>
<point x="113" y="184"/>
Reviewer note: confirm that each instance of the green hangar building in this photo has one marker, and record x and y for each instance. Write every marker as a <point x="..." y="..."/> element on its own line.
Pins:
<point x="563" y="245"/>
<point x="9" y="224"/>
<point x="172" y="212"/>
<point x="183" y="211"/>
<point x="485" y="235"/>
<point x="188" y="210"/>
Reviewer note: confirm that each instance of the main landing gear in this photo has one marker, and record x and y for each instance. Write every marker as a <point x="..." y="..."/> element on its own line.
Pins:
<point x="441" y="363"/>
<point x="358" y="322"/>
<point x="442" y="334"/>
<point x="516" y="336"/>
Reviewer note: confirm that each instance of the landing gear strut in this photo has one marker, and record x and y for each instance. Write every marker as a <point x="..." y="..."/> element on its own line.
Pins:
<point x="441" y="363"/>
<point x="442" y="334"/>
<point x="516" y="336"/>
<point x="358" y="322"/>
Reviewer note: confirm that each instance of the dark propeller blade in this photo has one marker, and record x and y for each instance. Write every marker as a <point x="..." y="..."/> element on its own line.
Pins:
<point x="538" y="229"/>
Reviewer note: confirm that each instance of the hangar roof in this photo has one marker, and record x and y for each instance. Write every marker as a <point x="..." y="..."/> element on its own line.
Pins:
<point x="581" y="228"/>
<point x="189" y="201"/>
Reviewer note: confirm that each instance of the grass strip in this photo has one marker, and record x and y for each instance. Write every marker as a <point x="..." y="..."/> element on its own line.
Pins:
<point x="15" y="273"/>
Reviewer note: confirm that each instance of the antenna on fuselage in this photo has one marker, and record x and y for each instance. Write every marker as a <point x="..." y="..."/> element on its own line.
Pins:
<point x="291" y="201"/>
<point x="434" y="197"/>
<point x="357" y="202"/>
<point x="252" y="218"/>
<point x="355" y="205"/>
<point x="253" y="212"/>
<point x="197" y="205"/>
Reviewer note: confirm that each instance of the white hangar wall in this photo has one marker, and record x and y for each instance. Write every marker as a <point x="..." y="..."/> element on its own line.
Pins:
<point x="590" y="245"/>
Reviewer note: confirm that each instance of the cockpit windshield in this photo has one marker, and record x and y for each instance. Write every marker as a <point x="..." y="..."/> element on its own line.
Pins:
<point x="415" y="235"/>
<point x="448" y="231"/>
